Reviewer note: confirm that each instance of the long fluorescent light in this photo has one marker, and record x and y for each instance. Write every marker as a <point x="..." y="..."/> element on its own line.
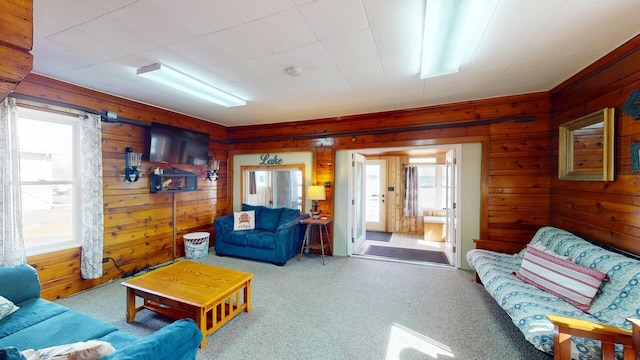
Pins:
<point x="175" y="79"/>
<point x="452" y="31"/>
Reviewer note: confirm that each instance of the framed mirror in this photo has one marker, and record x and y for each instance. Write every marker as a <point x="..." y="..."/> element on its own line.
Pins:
<point x="586" y="147"/>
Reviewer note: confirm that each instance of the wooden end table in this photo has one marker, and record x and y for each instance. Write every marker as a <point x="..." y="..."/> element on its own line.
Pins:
<point x="322" y="225"/>
<point x="207" y="294"/>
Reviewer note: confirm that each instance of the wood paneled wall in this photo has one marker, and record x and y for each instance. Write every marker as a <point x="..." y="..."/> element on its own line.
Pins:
<point x="516" y="160"/>
<point x="604" y="211"/>
<point x="139" y="226"/>
<point x="16" y="27"/>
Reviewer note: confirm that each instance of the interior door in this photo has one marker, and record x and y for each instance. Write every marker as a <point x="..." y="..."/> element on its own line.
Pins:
<point x="375" y="190"/>
<point x="450" y="209"/>
<point x="357" y="225"/>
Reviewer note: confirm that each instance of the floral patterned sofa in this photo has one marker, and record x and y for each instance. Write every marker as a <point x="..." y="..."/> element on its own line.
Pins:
<point x="528" y="306"/>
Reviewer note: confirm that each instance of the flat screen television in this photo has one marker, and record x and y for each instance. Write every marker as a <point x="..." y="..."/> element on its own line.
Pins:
<point x="177" y="146"/>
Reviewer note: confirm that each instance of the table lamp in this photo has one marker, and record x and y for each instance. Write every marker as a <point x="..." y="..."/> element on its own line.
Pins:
<point x="315" y="193"/>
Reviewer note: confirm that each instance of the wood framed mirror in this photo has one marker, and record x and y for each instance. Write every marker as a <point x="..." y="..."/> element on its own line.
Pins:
<point x="586" y="147"/>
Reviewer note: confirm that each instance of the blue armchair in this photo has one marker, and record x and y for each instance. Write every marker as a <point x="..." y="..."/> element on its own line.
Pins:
<point x="276" y="238"/>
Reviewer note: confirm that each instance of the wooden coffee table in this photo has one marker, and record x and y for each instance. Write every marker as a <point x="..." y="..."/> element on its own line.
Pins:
<point x="207" y="294"/>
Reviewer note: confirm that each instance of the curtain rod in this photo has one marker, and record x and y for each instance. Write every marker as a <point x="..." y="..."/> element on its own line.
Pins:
<point x="103" y="114"/>
<point x="392" y="130"/>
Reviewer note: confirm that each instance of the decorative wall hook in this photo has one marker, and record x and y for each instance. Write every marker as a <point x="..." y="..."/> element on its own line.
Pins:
<point x="632" y="105"/>
<point x="131" y="163"/>
<point x="213" y="166"/>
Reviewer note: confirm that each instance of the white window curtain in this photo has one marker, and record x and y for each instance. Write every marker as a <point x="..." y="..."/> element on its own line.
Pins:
<point x="12" y="251"/>
<point x="410" y="203"/>
<point x="91" y="208"/>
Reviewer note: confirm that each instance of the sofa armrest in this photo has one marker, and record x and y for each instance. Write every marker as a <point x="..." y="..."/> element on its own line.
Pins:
<point x="499" y="246"/>
<point x="222" y="225"/>
<point x="19" y="283"/>
<point x="565" y="328"/>
<point x="179" y="340"/>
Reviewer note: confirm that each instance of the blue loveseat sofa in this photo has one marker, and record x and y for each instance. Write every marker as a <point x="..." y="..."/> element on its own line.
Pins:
<point x="276" y="238"/>
<point x="40" y="323"/>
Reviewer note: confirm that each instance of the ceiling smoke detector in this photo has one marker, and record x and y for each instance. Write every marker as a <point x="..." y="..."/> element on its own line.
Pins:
<point x="294" y="71"/>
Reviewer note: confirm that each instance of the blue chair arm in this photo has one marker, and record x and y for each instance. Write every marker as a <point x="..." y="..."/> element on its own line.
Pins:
<point x="19" y="283"/>
<point x="222" y="225"/>
<point x="179" y="341"/>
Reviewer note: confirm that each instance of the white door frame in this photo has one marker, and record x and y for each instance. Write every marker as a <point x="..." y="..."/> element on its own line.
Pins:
<point x="456" y="261"/>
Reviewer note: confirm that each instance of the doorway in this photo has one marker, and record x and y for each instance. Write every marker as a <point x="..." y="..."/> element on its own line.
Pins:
<point x="433" y="230"/>
<point x="375" y="190"/>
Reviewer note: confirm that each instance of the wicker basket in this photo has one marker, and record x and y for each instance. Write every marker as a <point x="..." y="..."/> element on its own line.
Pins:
<point x="196" y="245"/>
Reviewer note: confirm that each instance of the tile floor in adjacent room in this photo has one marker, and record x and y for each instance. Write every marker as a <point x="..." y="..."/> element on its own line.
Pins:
<point x="403" y="240"/>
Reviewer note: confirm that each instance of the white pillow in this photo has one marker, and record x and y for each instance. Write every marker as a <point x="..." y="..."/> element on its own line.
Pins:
<point x="7" y="307"/>
<point x="244" y="220"/>
<point x="87" y="350"/>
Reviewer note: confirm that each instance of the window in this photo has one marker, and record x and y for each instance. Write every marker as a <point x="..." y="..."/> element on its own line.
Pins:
<point x="431" y="187"/>
<point x="276" y="186"/>
<point x="48" y="158"/>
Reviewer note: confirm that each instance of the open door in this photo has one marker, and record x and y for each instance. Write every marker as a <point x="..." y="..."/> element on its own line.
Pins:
<point x="450" y="182"/>
<point x="375" y="190"/>
<point x="357" y="224"/>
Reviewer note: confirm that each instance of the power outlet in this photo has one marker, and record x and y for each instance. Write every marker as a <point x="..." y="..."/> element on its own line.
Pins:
<point x="105" y="260"/>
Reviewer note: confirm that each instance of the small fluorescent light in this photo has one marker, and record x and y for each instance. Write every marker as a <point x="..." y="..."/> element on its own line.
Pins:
<point x="175" y="79"/>
<point x="452" y="31"/>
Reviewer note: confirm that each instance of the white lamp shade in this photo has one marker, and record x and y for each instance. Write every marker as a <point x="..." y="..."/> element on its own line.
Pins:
<point x="316" y="192"/>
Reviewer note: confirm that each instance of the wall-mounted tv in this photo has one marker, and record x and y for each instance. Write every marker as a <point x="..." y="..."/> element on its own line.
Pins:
<point x="177" y="146"/>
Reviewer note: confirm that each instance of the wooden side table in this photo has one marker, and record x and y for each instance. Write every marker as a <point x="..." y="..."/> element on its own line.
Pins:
<point x="320" y="224"/>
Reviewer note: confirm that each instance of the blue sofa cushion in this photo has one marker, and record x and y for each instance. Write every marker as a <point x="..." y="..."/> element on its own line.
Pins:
<point x="269" y="219"/>
<point x="261" y="239"/>
<point x="56" y="331"/>
<point x="289" y="215"/>
<point x="238" y="237"/>
<point x="31" y="312"/>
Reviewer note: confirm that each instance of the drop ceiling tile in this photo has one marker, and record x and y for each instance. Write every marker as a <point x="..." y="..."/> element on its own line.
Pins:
<point x="249" y="10"/>
<point x="112" y="30"/>
<point x="70" y="12"/>
<point x="366" y="74"/>
<point x="284" y="31"/>
<point x="332" y="18"/>
<point x="205" y="51"/>
<point x="155" y="21"/>
<point x="76" y="38"/>
<point x="197" y="16"/>
<point x="44" y="26"/>
<point x="384" y="12"/>
<point x="404" y="37"/>
<point x="240" y="43"/>
<point x="54" y="58"/>
<point x="352" y="47"/>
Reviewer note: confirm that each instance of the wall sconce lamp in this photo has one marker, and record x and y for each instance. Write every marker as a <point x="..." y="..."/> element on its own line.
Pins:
<point x="131" y="163"/>
<point x="213" y="166"/>
<point x="315" y="193"/>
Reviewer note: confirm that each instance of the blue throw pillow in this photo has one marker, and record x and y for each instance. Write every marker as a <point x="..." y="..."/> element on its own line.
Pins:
<point x="256" y="208"/>
<point x="289" y="215"/>
<point x="268" y="219"/>
<point x="11" y="353"/>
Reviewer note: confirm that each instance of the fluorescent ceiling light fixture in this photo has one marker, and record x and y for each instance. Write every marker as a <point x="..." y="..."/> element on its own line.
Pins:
<point x="452" y="31"/>
<point x="177" y="80"/>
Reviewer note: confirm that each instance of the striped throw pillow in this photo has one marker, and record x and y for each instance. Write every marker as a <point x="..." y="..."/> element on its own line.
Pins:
<point x="571" y="282"/>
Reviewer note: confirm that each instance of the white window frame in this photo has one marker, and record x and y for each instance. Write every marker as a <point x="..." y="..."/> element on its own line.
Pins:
<point x="67" y="118"/>
<point x="439" y="186"/>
